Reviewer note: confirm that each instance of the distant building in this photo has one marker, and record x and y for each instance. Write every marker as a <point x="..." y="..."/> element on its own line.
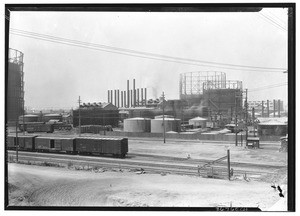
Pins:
<point x="96" y="114"/>
<point x="261" y="107"/>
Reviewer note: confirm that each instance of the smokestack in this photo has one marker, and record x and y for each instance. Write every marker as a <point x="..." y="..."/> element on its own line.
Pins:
<point x="138" y="98"/>
<point x="274" y="103"/>
<point x="262" y="109"/>
<point x="131" y="102"/>
<point x="134" y="94"/>
<point x="279" y="108"/>
<point x="118" y="93"/>
<point x="108" y="99"/>
<point x="115" y="97"/>
<point x="128" y="94"/>
<point x="142" y="96"/>
<point x="122" y="99"/>
<point x="111" y="96"/>
<point x="145" y="96"/>
<point x="268" y="109"/>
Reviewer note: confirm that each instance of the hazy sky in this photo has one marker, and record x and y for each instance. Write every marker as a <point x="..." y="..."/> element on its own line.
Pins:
<point x="56" y="74"/>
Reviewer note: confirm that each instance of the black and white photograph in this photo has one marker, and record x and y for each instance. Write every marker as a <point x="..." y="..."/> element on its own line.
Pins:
<point x="171" y="107"/>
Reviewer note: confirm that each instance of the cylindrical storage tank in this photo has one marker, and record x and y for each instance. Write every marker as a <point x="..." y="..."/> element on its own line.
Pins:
<point x="29" y="118"/>
<point x="171" y="124"/>
<point x="198" y="122"/>
<point x="137" y="125"/>
<point x="161" y="116"/>
<point x="53" y="116"/>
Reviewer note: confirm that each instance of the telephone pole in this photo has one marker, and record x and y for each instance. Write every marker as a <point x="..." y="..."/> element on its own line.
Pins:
<point x="79" y="117"/>
<point x="163" y="105"/>
<point x="246" y="107"/>
<point x="236" y="138"/>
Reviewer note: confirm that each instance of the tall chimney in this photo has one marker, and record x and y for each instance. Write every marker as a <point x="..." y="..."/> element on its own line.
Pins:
<point x="262" y="109"/>
<point x="268" y="109"/>
<point x="128" y="101"/>
<point x="142" y="96"/>
<point x="122" y="99"/>
<point x="115" y="97"/>
<point x="274" y="108"/>
<point x="111" y="96"/>
<point x="134" y="94"/>
<point x="138" y="98"/>
<point x="279" y="108"/>
<point x="145" y="96"/>
<point x="131" y="102"/>
<point x="118" y="93"/>
<point x="108" y="99"/>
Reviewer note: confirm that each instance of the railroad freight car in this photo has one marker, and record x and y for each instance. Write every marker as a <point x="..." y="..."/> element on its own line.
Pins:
<point x="31" y="128"/>
<point x="103" y="146"/>
<point x="25" y="142"/>
<point x="55" y="144"/>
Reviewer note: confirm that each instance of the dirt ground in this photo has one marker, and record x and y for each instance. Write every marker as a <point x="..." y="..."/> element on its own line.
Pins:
<point x="31" y="185"/>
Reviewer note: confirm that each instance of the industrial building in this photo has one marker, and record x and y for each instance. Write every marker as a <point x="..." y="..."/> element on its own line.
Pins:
<point x="96" y="114"/>
<point x="267" y="108"/>
<point x="15" y="85"/>
<point x="212" y="90"/>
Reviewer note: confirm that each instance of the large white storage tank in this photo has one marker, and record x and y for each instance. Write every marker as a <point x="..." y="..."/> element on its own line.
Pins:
<point x="198" y="122"/>
<point x="137" y="125"/>
<point x="171" y="124"/>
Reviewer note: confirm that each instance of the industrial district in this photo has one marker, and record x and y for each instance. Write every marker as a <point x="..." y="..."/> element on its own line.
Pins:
<point x="212" y="133"/>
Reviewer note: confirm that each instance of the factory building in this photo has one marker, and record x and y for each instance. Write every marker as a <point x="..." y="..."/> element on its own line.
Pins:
<point x="212" y="90"/>
<point x="267" y="108"/>
<point x="15" y="85"/>
<point x="96" y="114"/>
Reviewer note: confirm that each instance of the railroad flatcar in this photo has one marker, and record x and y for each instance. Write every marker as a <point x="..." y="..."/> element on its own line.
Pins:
<point x="102" y="146"/>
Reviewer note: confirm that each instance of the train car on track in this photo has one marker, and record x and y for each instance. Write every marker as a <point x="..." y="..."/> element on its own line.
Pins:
<point x="55" y="144"/>
<point x="103" y="146"/>
<point x="25" y="142"/>
<point x="31" y="128"/>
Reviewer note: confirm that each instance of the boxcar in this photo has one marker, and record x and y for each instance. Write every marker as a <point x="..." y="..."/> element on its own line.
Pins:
<point x="112" y="146"/>
<point x="31" y="128"/>
<point x="55" y="144"/>
<point x="11" y="142"/>
<point x="26" y="142"/>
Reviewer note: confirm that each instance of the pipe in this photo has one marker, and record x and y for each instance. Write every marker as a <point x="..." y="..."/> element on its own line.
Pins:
<point x="128" y="101"/>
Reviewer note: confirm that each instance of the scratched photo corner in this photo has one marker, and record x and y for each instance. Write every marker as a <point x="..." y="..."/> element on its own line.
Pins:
<point x="150" y="107"/>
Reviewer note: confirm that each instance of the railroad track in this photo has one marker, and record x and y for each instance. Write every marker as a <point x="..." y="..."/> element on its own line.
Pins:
<point x="154" y="166"/>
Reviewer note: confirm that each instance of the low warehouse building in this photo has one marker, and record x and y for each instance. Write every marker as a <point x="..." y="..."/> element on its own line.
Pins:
<point x="137" y="125"/>
<point x="171" y="124"/>
<point x="198" y="122"/>
<point x="53" y="116"/>
<point x="272" y="127"/>
<point x="29" y="118"/>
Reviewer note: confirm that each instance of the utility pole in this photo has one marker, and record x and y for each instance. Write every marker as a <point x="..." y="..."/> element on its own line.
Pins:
<point x="228" y="163"/>
<point x="246" y="106"/>
<point x="17" y="143"/>
<point x="163" y="105"/>
<point x="253" y="119"/>
<point x="79" y="117"/>
<point x="236" y="138"/>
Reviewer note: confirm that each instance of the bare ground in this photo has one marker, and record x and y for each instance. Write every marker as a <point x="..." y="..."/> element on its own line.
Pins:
<point x="31" y="185"/>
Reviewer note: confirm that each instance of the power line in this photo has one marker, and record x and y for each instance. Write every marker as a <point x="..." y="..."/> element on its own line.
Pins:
<point x="138" y="53"/>
<point x="268" y="87"/>
<point x="274" y="23"/>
